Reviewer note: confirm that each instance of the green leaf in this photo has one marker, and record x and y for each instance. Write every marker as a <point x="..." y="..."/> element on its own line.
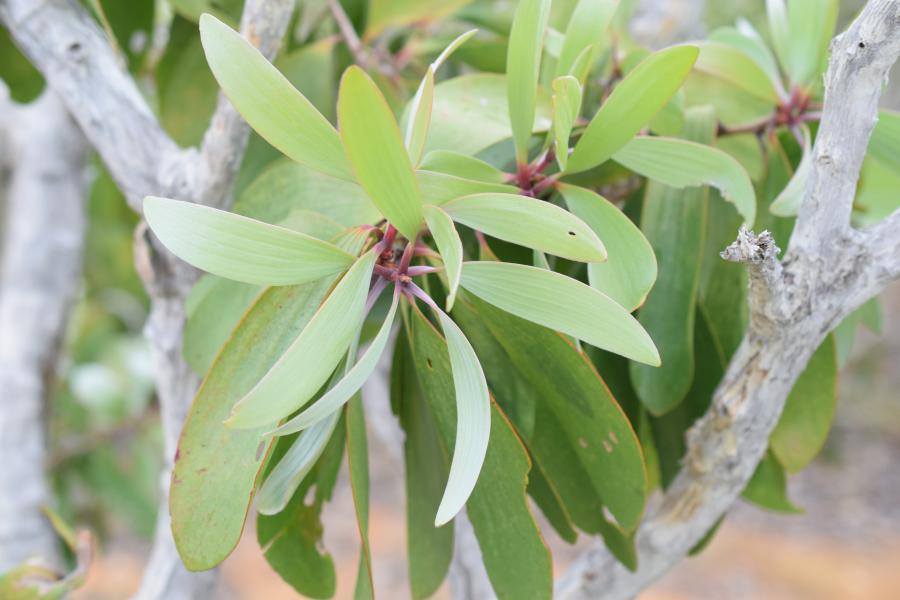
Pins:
<point x="787" y="204"/>
<point x="631" y="105"/>
<point x="348" y="385"/>
<point x="310" y="360"/>
<point x="240" y="248"/>
<point x="438" y="188"/>
<point x="811" y="24"/>
<point x="681" y="163"/>
<point x="573" y="427"/>
<point x="630" y="268"/>
<point x="421" y="104"/>
<point x="269" y="103"/>
<point x="768" y="487"/>
<point x="587" y="26"/>
<point x="210" y="324"/>
<point x="429" y="548"/>
<point x="737" y="68"/>
<point x="746" y="39"/>
<point x="24" y="81"/>
<point x="358" y="465"/>
<point x="216" y="468"/>
<point x="281" y="483"/>
<point x="392" y="13"/>
<point x="462" y="165"/>
<point x="528" y="222"/>
<point x="497" y="507"/>
<point x="449" y="246"/>
<point x="884" y="144"/>
<point x="560" y="303"/>
<point x="375" y="149"/>
<point x="566" y="106"/>
<point x="674" y="222"/>
<point x="808" y="411"/>
<point x="471" y="113"/>
<point x="776" y="12"/>
<point x="523" y="63"/>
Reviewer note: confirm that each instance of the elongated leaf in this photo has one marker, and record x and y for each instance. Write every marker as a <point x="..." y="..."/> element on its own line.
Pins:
<point x="449" y="245"/>
<point x="375" y="150"/>
<point x="210" y="324"/>
<point x="587" y="26"/>
<point x="885" y="142"/>
<point x="348" y="385"/>
<point x="308" y="363"/>
<point x="566" y="106"/>
<point x="630" y="268"/>
<point x="438" y="188"/>
<point x="787" y="204"/>
<point x="269" y="103"/>
<point x="523" y="63"/>
<point x="497" y="508"/>
<point x="768" y="487"/>
<point x="528" y="222"/>
<point x="239" y="248"/>
<point x="285" y="478"/>
<point x="746" y="39"/>
<point x="560" y="303"/>
<point x="358" y="465"/>
<point x="779" y="31"/>
<point x="473" y="421"/>
<point x="462" y="165"/>
<point x="811" y="24"/>
<point x="808" y="411"/>
<point x="421" y="104"/>
<point x="631" y="105"/>
<point x="736" y="67"/>
<point x="387" y="13"/>
<point x="681" y="163"/>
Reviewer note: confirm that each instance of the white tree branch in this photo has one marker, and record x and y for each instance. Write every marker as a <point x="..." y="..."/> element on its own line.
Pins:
<point x="41" y="272"/>
<point x="829" y="271"/>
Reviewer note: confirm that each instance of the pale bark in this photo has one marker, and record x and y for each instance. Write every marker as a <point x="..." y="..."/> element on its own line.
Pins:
<point x="41" y="270"/>
<point x="830" y="270"/>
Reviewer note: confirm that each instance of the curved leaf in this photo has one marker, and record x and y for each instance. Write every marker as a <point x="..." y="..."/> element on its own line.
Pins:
<point x="240" y="248"/>
<point x="787" y="204"/>
<point x="310" y="360"/>
<point x="633" y="102"/>
<point x="566" y="106"/>
<point x="681" y="163"/>
<point x="268" y="101"/>
<point x="560" y="303"/>
<point x="528" y="222"/>
<point x="462" y="165"/>
<point x="376" y="152"/>
<point x="630" y="268"/>
<point x="523" y="63"/>
<point x="746" y="39"/>
<point x="736" y="67"/>
<point x="589" y="21"/>
<point x="449" y="246"/>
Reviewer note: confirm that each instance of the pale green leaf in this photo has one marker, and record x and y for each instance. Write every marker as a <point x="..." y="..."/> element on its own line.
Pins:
<point x="587" y="26"/>
<point x="438" y="188"/>
<point x="631" y="105"/>
<point x="566" y="106"/>
<point x="787" y="204"/>
<point x="885" y="142"/>
<point x="449" y="245"/>
<point x="680" y="163"/>
<point x="779" y="31"/>
<point x="561" y="303"/>
<point x="810" y="24"/>
<point x="282" y="482"/>
<point x="390" y="13"/>
<point x="473" y="421"/>
<point x="268" y="101"/>
<point x="523" y="63"/>
<point x="528" y="222"/>
<point x="348" y="385"/>
<point x="240" y="248"/>
<point x="737" y="68"/>
<point x="310" y="360"/>
<point x="462" y="165"/>
<point x="630" y="268"/>
<point x="375" y="149"/>
<point x="746" y="39"/>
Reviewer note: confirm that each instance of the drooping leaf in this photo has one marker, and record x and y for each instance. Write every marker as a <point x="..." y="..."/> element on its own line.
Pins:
<point x="240" y="248"/>
<point x="737" y="68"/>
<point x="674" y="222"/>
<point x="449" y="246"/>
<point x="358" y="465"/>
<point x="632" y="103"/>
<point x="768" y="487"/>
<point x="561" y="303"/>
<point x="808" y="411"/>
<point x="528" y="222"/>
<point x="375" y="150"/>
<point x="630" y="268"/>
<point x="462" y="165"/>
<point x="348" y="385"/>
<point x="310" y="360"/>
<point x="566" y="106"/>
<point x="497" y="507"/>
<point x="269" y="103"/>
<point x="587" y="26"/>
<point x="682" y="163"/>
<point x="523" y="63"/>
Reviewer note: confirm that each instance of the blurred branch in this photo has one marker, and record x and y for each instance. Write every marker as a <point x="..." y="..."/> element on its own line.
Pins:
<point x="41" y="271"/>
<point x="829" y="271"/>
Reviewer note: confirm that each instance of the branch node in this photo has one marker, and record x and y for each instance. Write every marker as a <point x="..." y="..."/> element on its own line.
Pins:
<point x="750" y="248"/>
